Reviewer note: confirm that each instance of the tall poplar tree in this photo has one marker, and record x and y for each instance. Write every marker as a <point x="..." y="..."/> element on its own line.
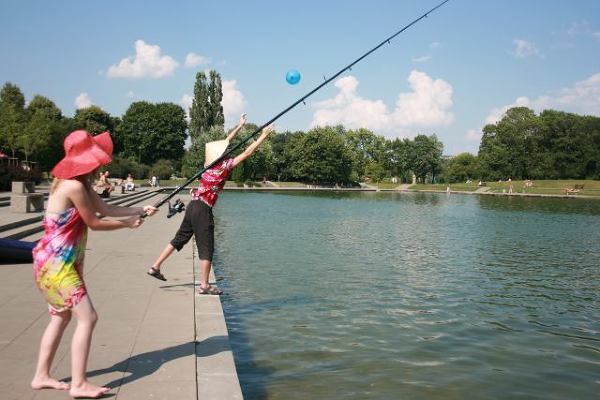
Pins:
<point x="206" y="118"/>
<point x="215" y="90"/>
<point x="199" y="110"/>
<point x="206" y="111"/>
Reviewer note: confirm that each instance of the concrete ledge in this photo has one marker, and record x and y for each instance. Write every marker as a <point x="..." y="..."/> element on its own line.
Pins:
<point x="26" y="202"/>
<point x="154" y="340"/>
<point x="215" y="365"/>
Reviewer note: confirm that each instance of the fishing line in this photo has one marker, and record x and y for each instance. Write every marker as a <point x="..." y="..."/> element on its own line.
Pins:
<point x="301" y="100"/>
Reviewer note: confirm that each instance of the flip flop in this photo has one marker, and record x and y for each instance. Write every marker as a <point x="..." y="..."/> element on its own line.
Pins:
<point x="156" y="274"/>
<point x="210" y="290"/>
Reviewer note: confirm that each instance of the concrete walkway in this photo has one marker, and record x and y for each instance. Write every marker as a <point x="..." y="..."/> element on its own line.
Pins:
<point x="154" y="340"/>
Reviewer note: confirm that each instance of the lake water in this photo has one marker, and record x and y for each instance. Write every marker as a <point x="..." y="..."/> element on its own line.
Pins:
<point x="411" y="295"/>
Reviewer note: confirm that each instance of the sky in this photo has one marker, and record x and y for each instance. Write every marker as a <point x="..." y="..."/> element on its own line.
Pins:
<point x="449" y="75"/>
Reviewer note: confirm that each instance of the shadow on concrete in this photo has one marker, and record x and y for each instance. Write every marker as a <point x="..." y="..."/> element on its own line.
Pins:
<point x="178" y="285"/>
<point x="145" y="364"/>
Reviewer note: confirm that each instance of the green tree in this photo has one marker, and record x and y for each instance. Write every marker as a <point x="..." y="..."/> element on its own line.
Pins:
<point x="94" y="120"/>
<point x="508" y="148"/>
<point x="320" y="156"/>
<point x="13" y="118"/>
<point x="260" y="164"/>
<point x="41" y="127"/>
<point x="162" y="168"/>
<point x="368" y="154"/>
<point x="280" y="165"/>
<point x="567" y="146"/>
<point x="426" y="156"/>
<point x="121" y="166"/>
<point x="399" y="158"/>
<point x="150" y="132"/>
<point x="462" y="167"/>
<point x="206" y="110"/>
<point x="200" y="107"/>
<point x="215" y="90"/>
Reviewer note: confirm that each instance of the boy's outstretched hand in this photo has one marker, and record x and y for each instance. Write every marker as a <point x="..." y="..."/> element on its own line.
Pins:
<point x="268" y="129"/>
<point x="243" y="119"/>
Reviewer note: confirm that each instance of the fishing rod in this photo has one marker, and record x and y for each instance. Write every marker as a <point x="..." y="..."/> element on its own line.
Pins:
<point x="285" y="111"/>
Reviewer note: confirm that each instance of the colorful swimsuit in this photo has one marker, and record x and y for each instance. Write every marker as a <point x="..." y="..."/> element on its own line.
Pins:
<point x="58" y="260"/>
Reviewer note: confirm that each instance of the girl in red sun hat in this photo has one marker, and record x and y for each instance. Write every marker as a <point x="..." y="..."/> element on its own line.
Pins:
<point x="58" y="256"/>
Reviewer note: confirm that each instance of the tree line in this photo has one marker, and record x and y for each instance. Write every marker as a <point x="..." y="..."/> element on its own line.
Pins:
<point x="150" y="140"/>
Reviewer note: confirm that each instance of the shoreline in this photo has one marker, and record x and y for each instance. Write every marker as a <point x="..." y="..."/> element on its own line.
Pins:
<point x="326" y="189"/>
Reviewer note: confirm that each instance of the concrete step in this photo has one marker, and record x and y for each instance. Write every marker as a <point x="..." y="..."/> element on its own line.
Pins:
<point x="23" y="231"/>
<point x="30" y="227"/>
<point x="21" y="223"/>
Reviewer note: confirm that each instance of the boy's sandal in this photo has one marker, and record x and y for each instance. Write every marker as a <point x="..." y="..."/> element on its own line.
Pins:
<point x="156" y="273"/>
<point x="210" y="290"/>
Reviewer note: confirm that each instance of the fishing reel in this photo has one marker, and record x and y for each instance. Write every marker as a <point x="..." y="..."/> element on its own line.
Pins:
<point x="177" y="207"/>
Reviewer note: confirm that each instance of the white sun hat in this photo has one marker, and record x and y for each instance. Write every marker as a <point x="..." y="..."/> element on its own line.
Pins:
<point x="214" y="150"/>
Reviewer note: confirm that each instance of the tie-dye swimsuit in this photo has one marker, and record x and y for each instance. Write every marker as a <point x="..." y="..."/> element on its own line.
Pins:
<point x="58" y="260"/>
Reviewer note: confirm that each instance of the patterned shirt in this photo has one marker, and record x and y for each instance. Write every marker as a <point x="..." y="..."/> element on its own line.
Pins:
<point x="212" y="181"/>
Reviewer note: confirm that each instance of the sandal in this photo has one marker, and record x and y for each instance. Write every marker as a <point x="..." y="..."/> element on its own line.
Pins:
<point x="210" y="290"/>
<point x="156" y="273"/>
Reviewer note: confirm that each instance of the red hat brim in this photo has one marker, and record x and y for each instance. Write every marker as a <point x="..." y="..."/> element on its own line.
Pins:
<point x="99" y="154"/>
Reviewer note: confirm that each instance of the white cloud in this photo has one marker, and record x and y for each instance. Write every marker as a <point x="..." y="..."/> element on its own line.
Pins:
<point x="596" y="35"/>
<point x="233" y="101"/>
<point x="130" y="94"/>
<point x="583" y="98"/>
<point x="435" y="45"/>
<point x="427" y="105"/>
<point x="148" y="62"/>
<point x="193" y="60"/>
<point x="524" y="48"/>
<point x="473" y="135"/>
<point x="83" y="101"/>
<point x="421" y="59"/>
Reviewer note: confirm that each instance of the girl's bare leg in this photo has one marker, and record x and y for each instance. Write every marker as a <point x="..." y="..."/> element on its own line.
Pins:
<point x="80" y="350"/>
<point x="48" y="346"/>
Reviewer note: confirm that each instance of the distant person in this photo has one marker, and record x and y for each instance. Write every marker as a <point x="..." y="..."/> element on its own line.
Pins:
<point x="58" y="256"/>
<point x="103" y="187"/>
<point x="154" y="181"/>
<point x="129" y="183"/>
<point x="198" y="220"/>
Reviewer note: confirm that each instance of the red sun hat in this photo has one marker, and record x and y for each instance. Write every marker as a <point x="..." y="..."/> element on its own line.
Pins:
<point x="83" y="154"/>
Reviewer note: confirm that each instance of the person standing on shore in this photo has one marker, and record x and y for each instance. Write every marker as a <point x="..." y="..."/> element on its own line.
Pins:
<point x="198" y="220"/>
<point x="58" y="257"/>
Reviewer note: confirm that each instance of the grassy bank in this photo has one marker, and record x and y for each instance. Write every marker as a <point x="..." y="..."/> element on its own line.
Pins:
<point x="551" y="187"/>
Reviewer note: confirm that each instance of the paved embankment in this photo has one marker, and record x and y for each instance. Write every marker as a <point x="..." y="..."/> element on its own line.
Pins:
<point x="154" y="340"/>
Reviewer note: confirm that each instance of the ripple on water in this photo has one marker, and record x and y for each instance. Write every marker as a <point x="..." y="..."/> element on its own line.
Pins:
<point x="405" y="296"/>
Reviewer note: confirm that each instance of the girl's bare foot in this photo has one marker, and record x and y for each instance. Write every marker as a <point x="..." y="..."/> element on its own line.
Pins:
<point x="48" y="383"/>
<point x="87" y="390"/>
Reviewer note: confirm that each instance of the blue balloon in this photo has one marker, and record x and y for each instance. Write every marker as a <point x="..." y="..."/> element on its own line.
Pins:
<point x="292" y="77"/>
